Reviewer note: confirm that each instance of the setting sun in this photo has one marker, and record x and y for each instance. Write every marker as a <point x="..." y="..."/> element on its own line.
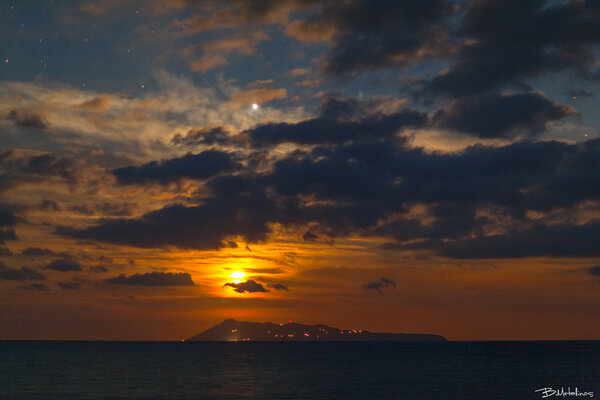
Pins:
<point x="237" y="275"/>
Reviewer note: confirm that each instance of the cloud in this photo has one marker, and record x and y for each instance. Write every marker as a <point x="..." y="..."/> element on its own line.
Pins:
<point x="191" y="166"/>
<point x="595" y="270"/>
<point x="210" y="54"/>
<point x="505" y="42"/>
<point x="68" y="285"/>
<point x="64" y="265"/>
<point x="341" y="120"/>
<point x="558" y="240"/>
<point x="36" y="286"/>
<point x="207" y="62"/>
<point x="296" y="72"/>
<point x="153" y="279"/>
<point x="18" y="168"/>
<point x="209" y="135"/>
<point x="378" y="285"/>
<point x="264" y="270"/>
<point x="26" y="119"/>
<point x="579" y="93"/>
<point x="7" y="217"/>
<point x="21" y="274"/>
<point x="368" y="188"/>
<point x="40" y="252"/>
<point x="278" y="286"/>
<point x="386" y="282"/>
<point x="98" y="269"/>
<point x="109" y="209"/>
<point x="500" y="116"/>
<point x="8" y="220"/>
<point x="233" y="14"/>
<point x="258" y="92"/>
<point x="243" y="213"/>
<point x="249" y="286"/>
<point x="366" y="35"/>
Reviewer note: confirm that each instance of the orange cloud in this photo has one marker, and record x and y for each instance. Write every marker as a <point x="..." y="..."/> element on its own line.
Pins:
<point x="256" y="93"/>
<point x="207" y="62"/>
<point x="297" y="72"/>
<point x="300" y="30"/>
<point x="213" y="52"/>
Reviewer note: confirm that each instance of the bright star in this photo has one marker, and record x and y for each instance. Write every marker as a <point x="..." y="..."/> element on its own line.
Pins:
<point x="255" y="106"/>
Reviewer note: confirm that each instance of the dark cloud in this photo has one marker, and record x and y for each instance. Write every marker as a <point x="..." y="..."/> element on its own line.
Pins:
<point x="8" y="220"/>
<point x="46" y="205"/>
<point x="153" y="279"/>
<point x="202" y="136"/>
<point x="21" y="274"/>
<point x="595" y="270"/>
<point x="5" y="251"/>
<point x="26" y="119"/>
<point x="558" y="240"/>
<point x="64" y="265"/>
<point x="451" y="221"/>
<point x="40" y="252"/>
<point x="234" y="212"/>
<point x="278" y="286"/>
<point x="388" y="282"/>
<point x="68" y="285"/>
<point x="190" y="166"/>
<point x="378" y="285"/>
<point x="506" y="41"/>
<point x="341" y="120"/>
<point x="7" y="234"/>
<point x="98" y="269"/>
<point x="367" y="35"/>
<point x="107" y="209"/>
<point x="366" y="188"/>
<point x="36" y="286"/>
<point x="17" y="168"/>
<point x="7" y="217"/>
<point x="579" y="93"/>
<point x="249" y="286"/>
<point x="506" y="115"/>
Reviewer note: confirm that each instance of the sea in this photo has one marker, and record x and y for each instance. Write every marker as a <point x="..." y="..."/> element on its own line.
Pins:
<point x="319" y="370"/>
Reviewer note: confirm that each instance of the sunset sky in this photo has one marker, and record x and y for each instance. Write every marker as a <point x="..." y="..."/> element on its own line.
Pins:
<point x="398" y="166"/>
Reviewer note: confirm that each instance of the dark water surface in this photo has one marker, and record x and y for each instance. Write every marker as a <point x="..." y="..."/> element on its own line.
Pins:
<point x="387" y="370"/>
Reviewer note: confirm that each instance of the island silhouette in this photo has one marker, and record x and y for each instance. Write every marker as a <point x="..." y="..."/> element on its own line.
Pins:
<point x="244" y="331"/>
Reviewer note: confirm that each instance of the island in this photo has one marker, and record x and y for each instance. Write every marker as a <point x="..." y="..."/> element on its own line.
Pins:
<point x="243" y="331"/>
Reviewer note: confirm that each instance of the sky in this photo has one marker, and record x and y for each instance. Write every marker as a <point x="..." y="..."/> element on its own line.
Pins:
<point x="394" y="166"/>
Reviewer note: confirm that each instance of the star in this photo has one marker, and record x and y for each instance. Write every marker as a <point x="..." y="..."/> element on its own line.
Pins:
<point x="255" y="106"/>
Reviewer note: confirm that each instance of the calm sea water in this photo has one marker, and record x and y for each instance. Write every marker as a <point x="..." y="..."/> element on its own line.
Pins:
<point x="175" y="370"/>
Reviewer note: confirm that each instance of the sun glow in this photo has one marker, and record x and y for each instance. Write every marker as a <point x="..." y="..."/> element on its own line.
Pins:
<point x="237" y="275"/>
